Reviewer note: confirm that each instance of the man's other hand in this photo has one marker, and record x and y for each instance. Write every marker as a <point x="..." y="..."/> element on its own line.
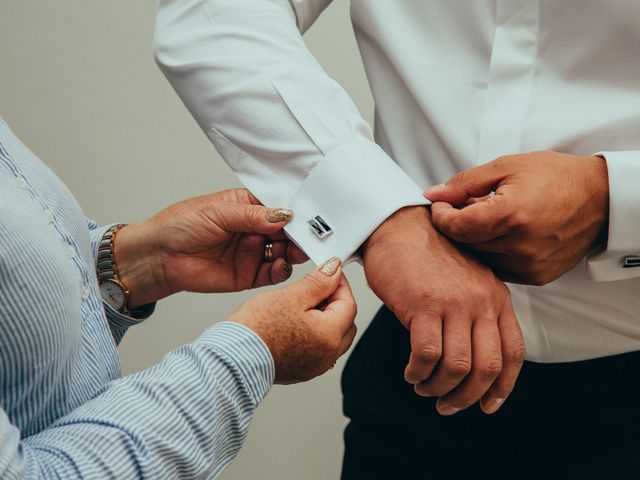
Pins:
<point x="466" y="343"/>
<point x="530" y="217"/>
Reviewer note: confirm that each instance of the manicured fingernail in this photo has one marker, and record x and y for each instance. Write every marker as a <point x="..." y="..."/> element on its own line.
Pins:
<point x="278" y="215"/>
<point x="287" y="267"/>
<point x="331" y="266"/>
<point x="448" y="410"/>
<point x="494" y="405"/>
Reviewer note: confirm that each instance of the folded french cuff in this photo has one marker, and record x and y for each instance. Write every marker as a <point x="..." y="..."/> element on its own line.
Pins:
<point x="623" y="242"/>
<point x="346" y="197"/>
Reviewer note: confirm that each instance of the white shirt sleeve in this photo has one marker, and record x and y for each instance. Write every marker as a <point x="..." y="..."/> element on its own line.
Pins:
<point x="291" y="133"/>
<point x="623" y="242"/>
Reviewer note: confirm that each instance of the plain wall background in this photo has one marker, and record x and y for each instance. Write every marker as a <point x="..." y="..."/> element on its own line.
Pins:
<point x="79" y="86"/>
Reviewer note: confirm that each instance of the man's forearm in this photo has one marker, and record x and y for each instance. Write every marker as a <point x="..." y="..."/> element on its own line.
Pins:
<point x="292" y="134"/>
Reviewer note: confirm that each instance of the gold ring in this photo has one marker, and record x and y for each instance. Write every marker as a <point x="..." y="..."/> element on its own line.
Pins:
<point x="268" y="251"/>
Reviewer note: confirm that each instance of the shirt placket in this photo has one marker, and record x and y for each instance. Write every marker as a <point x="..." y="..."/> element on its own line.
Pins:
<point x="511" y="76"/>
<point x="60" y="230"/>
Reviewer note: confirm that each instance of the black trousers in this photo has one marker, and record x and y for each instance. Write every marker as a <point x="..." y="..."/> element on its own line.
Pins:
<point x="565" y="420"/>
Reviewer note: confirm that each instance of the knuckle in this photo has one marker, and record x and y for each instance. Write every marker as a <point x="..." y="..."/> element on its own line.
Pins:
<point x="330" y="344"/>
<point x="527" y="252"/>
<point x="458" y="231"/>
<point x="458" y="178"/>
<point x="537" y="281"/>
<point x="517" y="353"/>
<point x="334" y="344"/>
<point x="428" y="354"/>
<point x="503" y="290"/>
<point x="353" y="309"/>
<point x="517" y="219"/>
<point x="250" y="216"/>
<point x="438" y="217"/>
<point x="491" y="369"/>
<point x="457" y="368"/>
<point x="315" y="283"/>
<point x="427" y="301"/>
<point x="538" y="277"/>
<point x="482" y="300"/>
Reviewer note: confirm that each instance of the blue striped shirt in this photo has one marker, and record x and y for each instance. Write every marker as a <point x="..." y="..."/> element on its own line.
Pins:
<point x="64" y="410"/>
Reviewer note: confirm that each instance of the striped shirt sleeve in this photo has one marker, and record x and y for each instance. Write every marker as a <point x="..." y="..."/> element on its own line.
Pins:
<point x="186" y="417"/>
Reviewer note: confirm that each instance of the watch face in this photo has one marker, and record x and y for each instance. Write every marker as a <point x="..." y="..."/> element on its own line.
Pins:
<point x="113" y="294"/>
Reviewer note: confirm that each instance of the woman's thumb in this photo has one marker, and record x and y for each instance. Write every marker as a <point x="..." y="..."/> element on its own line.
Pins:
<point x="319" y="284"/>
<point x="253" y="218"/>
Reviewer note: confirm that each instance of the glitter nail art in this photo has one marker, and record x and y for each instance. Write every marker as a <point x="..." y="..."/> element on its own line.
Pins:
<point x="330" y="267"/>
<point x="279" y="215"/>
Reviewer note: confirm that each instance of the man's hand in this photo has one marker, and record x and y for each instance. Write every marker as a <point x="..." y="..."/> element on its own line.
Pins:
<point x="212" y="243"/>
<point x="466" y="343"/>
<point x="549" y="209"/>
<point x="307" y="326"/>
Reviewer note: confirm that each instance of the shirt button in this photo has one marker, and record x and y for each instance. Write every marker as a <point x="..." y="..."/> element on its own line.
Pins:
<point x="22" y="183"/>
<point x="71" y="251"/>
<point x="85" y="292"/>
<point x="48" y="215"/>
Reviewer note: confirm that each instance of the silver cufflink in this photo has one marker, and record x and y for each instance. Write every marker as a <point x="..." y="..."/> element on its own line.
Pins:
<point x="631" y="261"/>
<point x="320" y="227"/>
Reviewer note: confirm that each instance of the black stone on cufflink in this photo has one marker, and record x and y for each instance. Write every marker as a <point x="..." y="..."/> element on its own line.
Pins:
<point x="320" y="227"/>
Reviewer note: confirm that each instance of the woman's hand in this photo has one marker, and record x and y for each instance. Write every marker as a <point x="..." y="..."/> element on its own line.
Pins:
<point x="211" y="243"/>
<point x="307" y="326"/>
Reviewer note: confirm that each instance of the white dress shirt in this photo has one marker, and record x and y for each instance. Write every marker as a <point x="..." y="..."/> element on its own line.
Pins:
<point x="456" y="83"/>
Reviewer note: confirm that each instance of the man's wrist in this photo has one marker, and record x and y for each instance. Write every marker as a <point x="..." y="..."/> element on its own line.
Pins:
<point x="406" y="217"/>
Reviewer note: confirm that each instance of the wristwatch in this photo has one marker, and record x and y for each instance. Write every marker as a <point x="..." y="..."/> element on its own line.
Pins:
<point x="113" y="291"/>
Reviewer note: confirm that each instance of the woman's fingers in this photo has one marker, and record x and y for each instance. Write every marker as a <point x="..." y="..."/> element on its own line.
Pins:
<point x="295" y="255"/>
<point x="280" y="271"/>
<point x="287" y="250"/>
<point x="272" y="273"/>
<point x="340" y="309"/>
<point x="347" y="340"/>
<point x="336" y="320"/>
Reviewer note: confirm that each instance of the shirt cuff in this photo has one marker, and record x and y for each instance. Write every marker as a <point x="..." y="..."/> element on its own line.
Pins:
<point x="624" y="219"/>
<point x="245" y="349"/>
<point x="120" y="320"/>
<point x="352" y="190"/>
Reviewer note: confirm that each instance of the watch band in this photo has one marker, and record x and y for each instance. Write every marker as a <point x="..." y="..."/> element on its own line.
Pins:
<point x="106" y="264"/>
